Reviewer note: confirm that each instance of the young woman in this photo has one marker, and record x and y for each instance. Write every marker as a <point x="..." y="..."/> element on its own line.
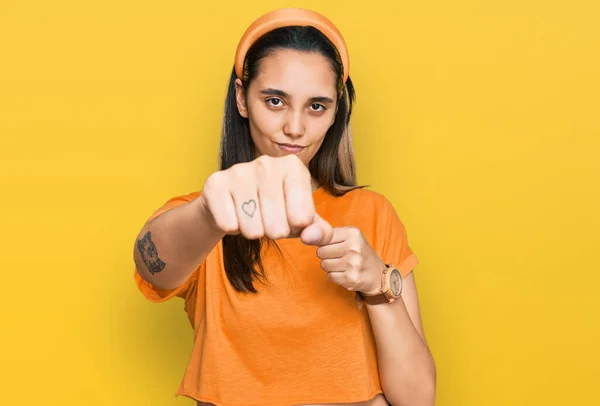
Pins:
<point x="297" y="282"/>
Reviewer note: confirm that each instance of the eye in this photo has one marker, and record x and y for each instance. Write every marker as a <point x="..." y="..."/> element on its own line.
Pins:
<point x="275" y="102"/>
<point x="317" y="107"/>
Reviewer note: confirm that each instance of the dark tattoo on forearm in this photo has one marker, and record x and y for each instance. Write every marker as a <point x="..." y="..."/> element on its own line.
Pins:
<point x="249" y="207"/>
<point x="150" y="254"/>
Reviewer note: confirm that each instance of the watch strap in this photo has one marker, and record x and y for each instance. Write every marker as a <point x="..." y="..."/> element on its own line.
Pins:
<point x="371" y="299"/>
<point x="384" y="297"/>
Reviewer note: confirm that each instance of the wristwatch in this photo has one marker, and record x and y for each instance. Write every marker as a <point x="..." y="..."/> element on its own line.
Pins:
<point x="391" y="288"/>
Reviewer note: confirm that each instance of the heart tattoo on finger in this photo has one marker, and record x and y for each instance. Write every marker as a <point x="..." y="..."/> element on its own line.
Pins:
<point x="249" y="207"/>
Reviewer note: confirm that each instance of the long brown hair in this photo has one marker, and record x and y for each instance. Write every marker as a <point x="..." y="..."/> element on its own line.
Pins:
<point x="333" y="166"/>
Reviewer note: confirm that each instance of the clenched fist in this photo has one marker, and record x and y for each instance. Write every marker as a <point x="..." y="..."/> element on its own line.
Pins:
<point x="267" y="197"/>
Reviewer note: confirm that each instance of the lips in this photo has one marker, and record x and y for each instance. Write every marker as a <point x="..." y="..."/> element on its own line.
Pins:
<point x="291" y="148"/>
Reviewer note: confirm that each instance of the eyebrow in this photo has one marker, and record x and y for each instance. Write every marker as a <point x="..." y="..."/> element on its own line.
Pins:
<point x="281" y="93"/>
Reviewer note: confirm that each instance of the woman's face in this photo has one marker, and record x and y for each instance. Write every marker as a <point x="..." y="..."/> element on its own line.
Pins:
<point x="290" y="104"/>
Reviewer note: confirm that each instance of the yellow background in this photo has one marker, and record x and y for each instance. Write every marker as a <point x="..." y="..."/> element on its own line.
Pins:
<point x="479" y="120"/>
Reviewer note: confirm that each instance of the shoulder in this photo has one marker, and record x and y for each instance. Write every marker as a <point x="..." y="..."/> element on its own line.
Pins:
<point x="366" y="198"/>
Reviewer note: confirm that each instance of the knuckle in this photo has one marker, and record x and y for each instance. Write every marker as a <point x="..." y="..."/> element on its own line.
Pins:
<point x="278" y="232"/>
<point x="233" y="173"/>
<point x="292" y="165"/>
<point x="238" y="170"/>
<point x="252" y="233"/>
<point x="213" y="182"/>
<point x="293" y="161"/>
<point x="228" y="226"/>
<point x="291" y="158"/>
<point x="301" y="219"/>
<point x="266" y="171"/>
<point x="262" y="159"/>
<point x="262" y="162"/>
<point x="266" y="158"/>
<point x="355" y="240"/>
<point x="355" y="262"/>
<point x="355" y="232"/>
<point x="353" y="278"/>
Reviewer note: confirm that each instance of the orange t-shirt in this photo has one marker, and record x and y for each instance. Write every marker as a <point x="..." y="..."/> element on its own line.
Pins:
<point x="301" y="339"/>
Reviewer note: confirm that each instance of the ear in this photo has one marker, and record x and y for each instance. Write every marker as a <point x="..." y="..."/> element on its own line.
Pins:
<point x="240" y="98"/>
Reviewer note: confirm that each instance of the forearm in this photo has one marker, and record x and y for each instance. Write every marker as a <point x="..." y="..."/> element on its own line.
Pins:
<point x="406" y="367"/>
<point x="181" y="238"/>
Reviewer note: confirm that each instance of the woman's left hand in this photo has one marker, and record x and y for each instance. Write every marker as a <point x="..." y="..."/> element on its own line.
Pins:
<point x="350" y="261"/>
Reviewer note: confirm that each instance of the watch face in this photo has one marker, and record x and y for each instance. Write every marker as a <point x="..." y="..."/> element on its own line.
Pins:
<point x="395" y="282"/>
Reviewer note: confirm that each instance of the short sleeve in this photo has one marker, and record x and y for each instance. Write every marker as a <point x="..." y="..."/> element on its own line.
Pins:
<point x="395" y="247"/>
<point x="154" y="293"/>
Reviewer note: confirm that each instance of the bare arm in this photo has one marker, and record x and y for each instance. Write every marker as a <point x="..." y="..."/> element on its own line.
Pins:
<point x="279" y="192"/>
<point x="172" y="245"/>
<point x="406" y="366"/>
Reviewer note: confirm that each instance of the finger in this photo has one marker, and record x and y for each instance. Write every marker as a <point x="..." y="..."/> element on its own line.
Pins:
<point x="338" y="246"/>
<point x="340" y="234"/>
<point x="333" y="265"/>
<point x="217" y="198"/>
<point x="297" y="187"/>
<point x="245" y="199"/>
<point x="330" y="251"/>
<point x="319" y="233"/>
<point x="272" y="206"/>
<point x="224" y="214"/>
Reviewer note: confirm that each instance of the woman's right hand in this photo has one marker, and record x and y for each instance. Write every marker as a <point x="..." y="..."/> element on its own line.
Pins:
<point x="268" y="197"/>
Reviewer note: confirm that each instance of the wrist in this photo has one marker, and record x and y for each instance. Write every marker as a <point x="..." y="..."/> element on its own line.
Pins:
<point x="375" y="286"/>
<point x="371" y="291"/>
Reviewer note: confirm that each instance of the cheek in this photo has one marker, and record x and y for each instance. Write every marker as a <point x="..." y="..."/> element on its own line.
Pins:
<point x="320" y="126"/>
<point x="263" y="123"/>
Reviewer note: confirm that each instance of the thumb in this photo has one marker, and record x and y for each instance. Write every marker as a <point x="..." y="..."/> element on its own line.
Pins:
<point x="318" y="233"/>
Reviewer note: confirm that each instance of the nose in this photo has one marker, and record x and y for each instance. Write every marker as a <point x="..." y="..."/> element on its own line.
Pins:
<point x="294" y="126"/>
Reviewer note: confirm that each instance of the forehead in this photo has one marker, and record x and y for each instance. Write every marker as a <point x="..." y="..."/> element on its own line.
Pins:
<point x="298" y="73"/>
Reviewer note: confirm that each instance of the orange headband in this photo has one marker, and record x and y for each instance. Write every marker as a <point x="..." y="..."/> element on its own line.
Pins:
<point x="284" y="18"/>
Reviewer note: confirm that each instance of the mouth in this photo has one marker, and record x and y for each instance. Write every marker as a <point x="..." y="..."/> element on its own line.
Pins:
<point x="291" y="148"/>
